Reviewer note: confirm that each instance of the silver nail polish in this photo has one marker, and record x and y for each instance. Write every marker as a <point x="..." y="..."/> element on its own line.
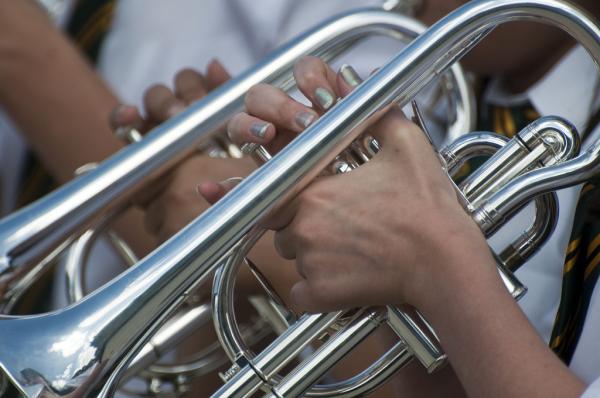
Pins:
<point x="324" y="98"/>
<point x="305" y="119"/>
<point x="259" y="129"/>
<point x="350" y="76"/>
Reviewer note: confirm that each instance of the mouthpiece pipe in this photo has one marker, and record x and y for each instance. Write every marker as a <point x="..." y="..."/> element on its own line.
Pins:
<point x="113" y="323"/>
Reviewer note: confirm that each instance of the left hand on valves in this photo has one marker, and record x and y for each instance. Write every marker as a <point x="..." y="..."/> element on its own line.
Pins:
<point x="390" y="232"/>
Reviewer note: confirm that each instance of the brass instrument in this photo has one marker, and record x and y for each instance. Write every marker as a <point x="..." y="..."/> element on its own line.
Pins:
<point x="453" y="85"/>
<point x="85" y="349"/>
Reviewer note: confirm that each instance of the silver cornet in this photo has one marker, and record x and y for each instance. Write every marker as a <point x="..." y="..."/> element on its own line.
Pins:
<point x="83" y="350"/>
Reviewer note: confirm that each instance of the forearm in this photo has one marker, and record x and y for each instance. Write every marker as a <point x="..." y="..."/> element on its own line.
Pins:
<point x="51" y="93"/>
<point x="521" y="52"/>
<point x="56" y="99"/>
<point x="492" y="346"/>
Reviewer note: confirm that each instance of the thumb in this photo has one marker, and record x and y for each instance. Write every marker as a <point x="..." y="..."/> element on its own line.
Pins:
<point x="216" y="74"/>
<point x="393" y="129"/>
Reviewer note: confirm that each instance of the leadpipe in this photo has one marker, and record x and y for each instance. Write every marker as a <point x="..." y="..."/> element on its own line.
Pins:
<point x="114" y="323"/>
<point x="31" y="233"/>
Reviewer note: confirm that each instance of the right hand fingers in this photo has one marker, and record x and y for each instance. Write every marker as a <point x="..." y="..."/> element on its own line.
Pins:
<point x="216" y="74"/>
<point x="269" y="109"/>
<point x="190" y="86"/>
<point x="125" y="115"/>
<point x="317" y="81"/>
<point x="273" y="105"/>
<point x="161" y="103"/>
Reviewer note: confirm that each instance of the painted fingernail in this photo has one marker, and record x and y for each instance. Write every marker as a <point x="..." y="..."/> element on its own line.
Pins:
<point x="350" y="76"/>
<point x="305" y="119"/>
<point x="324" y="98"/>
<point x="230" y="183"/>
<point x="259" y="129"/>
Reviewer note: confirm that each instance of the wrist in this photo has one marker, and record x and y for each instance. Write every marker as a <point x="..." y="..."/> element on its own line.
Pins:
<point x="459" y="262"/>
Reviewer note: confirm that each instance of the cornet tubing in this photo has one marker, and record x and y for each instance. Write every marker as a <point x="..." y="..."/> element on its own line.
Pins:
<point x="113" y="323"/>
<point x="33" y="231"/>
<point x="527" y="186"/>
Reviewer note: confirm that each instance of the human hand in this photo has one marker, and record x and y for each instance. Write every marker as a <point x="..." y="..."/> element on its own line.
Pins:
<point x="272" y="118"/>
<point x="389" y="232"/>
<point x="162" y="103"/>
<point x="180" y="200"/>
<point x="328" y="228"/>
<point x="171" y="201"/>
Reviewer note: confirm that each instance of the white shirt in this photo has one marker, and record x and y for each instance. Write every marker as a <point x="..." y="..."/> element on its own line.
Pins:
<point x="237" y="32"/>
<point x="568" y="90"/>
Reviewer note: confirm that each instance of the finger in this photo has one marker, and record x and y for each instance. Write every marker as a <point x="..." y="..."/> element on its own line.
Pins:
<point x="214" y="191"/>
<point x="393" y="129"/>
<point x="281" y="217"/>
<point x="161" y="104"/>
<point x="190" y="86"/>
<point x="347" y="80"/>
<point x="317" y="81"/>
<point x="243" y="128"/>
<point x="273" y="105"/>
<point x="285" y="245"/>
<point x="154" y="216"/>
<point x="333" y="295"/>
<point x="216" y="74"/>
<point x="125" y="116"/>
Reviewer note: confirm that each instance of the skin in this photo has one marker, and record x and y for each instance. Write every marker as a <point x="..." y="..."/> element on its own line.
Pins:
<point x="520" y="52"/>
<point x="534" y="50"/>
<point x="190" y="190"/>
<point x="36" y="58"/>
<point x="392" y="231"/>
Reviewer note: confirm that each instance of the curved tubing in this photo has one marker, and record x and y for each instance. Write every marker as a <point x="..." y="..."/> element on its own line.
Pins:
<point x="30" y="234"/>
<point x="84" y="348"/>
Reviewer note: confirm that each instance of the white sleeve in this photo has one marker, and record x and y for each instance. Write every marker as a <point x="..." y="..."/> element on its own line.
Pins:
<point x="593" y="390"/>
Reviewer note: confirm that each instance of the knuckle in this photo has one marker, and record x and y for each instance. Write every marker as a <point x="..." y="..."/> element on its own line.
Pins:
<point x="287" y="112"/>
<point x="320" y="289"/>
<point x="188" y="75"/>
<point x="309" y="70"/>
<point x="313" y="199"/>
<point x="154" y="91"/>
<point x="255" y="94"/>
<point x="305" y="234"/>
<point x="177" y="196"/>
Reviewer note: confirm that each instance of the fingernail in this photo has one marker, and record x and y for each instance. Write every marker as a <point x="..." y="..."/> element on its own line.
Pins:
<point x="175" y="109"/>
<point x="305" y="119"/>
<point x="324" y="97"/>
<point x="231" y="182"/>
<point x="259" y="129"/>
<point x="199" y="191"/>
<point x="350" y="76"/>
